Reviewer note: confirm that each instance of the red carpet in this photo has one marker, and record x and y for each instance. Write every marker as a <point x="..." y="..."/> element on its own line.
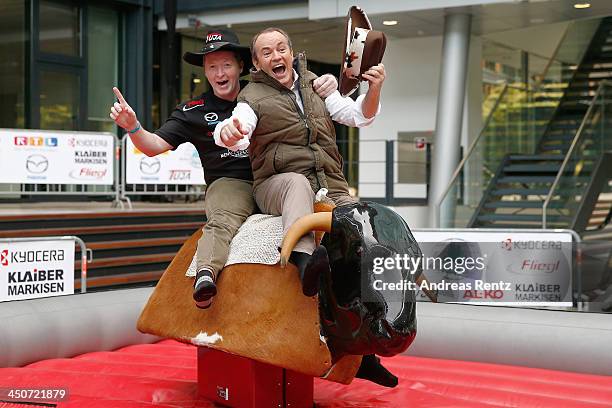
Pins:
<point x="164" y="375"/>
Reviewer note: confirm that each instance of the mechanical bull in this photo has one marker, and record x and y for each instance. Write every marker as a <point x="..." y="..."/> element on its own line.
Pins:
<point x="260" y="311"/>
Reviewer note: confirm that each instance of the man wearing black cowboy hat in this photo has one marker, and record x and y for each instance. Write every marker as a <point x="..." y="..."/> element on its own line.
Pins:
<point x="229" y="194"/>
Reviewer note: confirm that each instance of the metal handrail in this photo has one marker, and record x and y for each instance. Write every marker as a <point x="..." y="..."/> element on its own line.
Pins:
<point x="556" y="51"/>
<point x="554" y="55"/>
<point x="468" y="154"/>
<point x="84" y="252"/>
<point x="577" y="137"/>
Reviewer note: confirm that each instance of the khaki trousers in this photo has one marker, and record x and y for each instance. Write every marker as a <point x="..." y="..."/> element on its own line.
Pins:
<point x="290" y="195"/>
<point x="228" y="203"/>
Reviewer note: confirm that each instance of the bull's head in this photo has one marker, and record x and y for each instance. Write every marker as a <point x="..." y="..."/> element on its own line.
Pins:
<point x="355" y="316"/>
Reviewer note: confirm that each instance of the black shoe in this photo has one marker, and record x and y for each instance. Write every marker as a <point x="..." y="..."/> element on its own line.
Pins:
<point x="317" y="265"/>
<point x="204" y="288"/>
<point x="371" y="370"/>
<point x="307" y="266"/>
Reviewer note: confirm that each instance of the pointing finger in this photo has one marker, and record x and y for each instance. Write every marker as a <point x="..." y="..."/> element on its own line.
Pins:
<point x="119" y="96"/>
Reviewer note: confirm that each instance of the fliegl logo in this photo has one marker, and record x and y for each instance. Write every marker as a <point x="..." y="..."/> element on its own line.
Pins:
<point x="35" y="141"/>
<point x="87" y="173"/>
<point x="4" y="257"/>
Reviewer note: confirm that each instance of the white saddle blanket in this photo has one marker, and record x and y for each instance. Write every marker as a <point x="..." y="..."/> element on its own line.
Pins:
<point x="257" y="241"/>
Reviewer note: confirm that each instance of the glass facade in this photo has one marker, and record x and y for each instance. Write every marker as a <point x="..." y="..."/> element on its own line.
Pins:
<point x="102" y="66"/>
<point x="59" y="28"/>
<point x="12" y="63"/>
<point x="60" y="60"/>
<point x="59" y="100"/>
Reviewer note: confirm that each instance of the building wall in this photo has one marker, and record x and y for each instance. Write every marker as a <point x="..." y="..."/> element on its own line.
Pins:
<point x="409" y="104"/>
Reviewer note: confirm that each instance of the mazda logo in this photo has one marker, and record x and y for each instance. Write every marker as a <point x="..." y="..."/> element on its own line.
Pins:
<point x="37" y="163"/>
<point x="150" y="165"/>
<point x="211" y="116"/>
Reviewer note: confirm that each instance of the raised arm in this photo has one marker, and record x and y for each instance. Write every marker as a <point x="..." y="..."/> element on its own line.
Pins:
<point x="375" y="77"/>
<point x="361" y="112"/>
<point x="125" y="117"/>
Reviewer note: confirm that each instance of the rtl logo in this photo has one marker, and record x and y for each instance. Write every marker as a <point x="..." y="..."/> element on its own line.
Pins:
<point x="35" y="141"/>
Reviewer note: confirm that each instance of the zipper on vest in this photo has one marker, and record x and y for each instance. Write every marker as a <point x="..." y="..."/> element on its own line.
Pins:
<point x="301" y="114"/>
<point x="314" y="158"/>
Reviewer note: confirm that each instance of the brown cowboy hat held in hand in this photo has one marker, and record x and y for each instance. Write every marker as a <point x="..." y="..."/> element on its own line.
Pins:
<point x="364" y="48"/>
<point x="220" y="39"/>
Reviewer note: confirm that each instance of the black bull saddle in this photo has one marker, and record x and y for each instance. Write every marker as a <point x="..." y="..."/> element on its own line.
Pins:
<point x="356" y="316"/>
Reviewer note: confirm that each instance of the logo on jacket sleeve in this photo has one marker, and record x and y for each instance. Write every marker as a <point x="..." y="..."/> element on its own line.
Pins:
<point x="193" y="104"/>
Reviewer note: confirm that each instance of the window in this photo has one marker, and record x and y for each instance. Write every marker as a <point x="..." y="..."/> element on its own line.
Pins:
<point x="102" y="63"/>
<point x="12" y="64"/>
<point x="59" y="29"/>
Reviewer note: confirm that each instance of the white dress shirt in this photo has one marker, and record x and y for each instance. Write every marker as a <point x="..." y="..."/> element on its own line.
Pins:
<point x="343" y="110"/>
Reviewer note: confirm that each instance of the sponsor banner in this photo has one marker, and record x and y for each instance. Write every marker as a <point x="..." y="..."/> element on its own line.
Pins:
<point x="499" y="268"/>
<point x="36" y="269"/>
<point x="44" y="157"/>
<point x="180" y="166"/>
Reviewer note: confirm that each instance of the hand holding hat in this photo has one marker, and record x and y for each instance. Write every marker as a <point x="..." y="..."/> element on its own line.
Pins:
<point x="363" y="53"/>
<point x="375" y="76"/>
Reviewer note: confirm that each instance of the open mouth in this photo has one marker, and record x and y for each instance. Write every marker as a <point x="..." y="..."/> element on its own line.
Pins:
<point x="279" y="69"/>
<point x="222" y="83"/>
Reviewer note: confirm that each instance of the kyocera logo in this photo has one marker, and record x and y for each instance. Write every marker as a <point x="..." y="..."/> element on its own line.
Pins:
<point x="507" y="244"/>
<point x="36" y="141"/>
<point x="83" y="142"/>
<point x="4" y="257"/>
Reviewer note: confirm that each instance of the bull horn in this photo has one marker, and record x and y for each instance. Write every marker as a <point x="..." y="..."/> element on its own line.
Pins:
<point x="321" y="221"/>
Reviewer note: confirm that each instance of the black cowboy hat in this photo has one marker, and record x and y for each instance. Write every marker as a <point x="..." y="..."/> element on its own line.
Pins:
<point x="220" y="39"/>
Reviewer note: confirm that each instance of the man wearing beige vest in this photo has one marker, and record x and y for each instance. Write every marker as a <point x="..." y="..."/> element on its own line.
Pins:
<point x="291" y="139"/>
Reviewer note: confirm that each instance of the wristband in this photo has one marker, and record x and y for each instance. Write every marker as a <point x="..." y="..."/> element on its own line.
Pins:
<point x="136" y="129"/>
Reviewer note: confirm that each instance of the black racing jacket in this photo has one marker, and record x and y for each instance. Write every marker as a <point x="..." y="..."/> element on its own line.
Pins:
<point x="194" y="121"/>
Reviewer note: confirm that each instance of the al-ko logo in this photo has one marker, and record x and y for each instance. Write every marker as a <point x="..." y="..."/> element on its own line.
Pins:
<point x="150" y="165"/>
<point x="508" y="244"/>
<point x="86" y="142"/>
<point x="37" y="163"/>
<point x="35" y="141"/>
<point x="41" y="255"/>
